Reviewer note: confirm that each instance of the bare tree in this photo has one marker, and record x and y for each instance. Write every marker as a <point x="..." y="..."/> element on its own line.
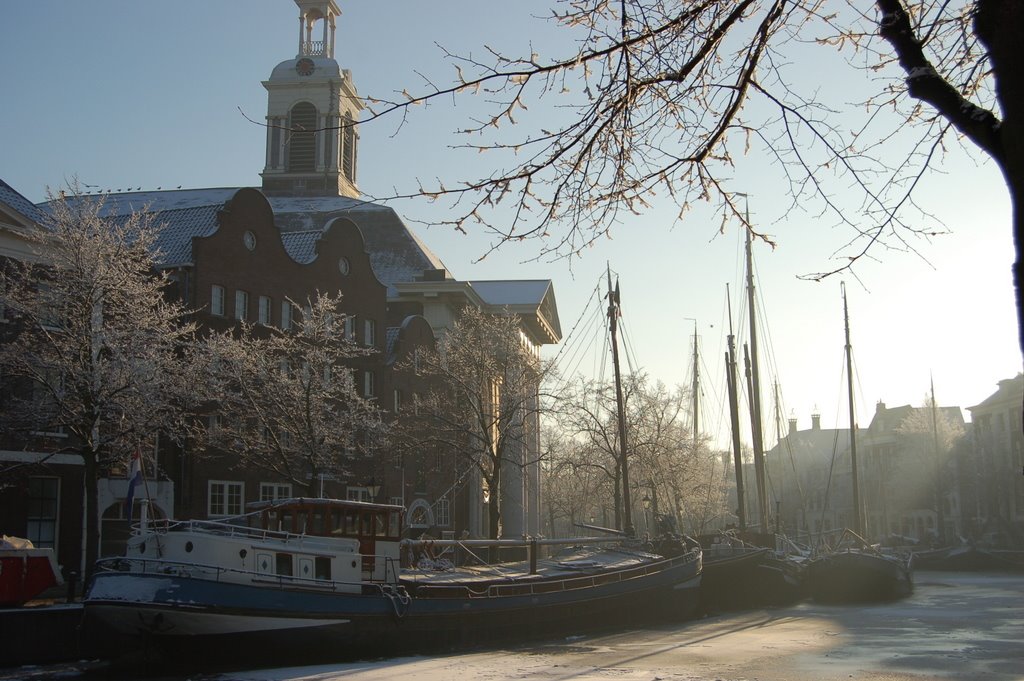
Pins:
<point x="665" y="97"/>
<point x="97" y="347"/>
<point x="286" y="401"/>
<point x="927" y="438"/>
<point x="483" y="400"/>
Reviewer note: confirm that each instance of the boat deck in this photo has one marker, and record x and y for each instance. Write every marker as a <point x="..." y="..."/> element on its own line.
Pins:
<point x="576" y="561"/>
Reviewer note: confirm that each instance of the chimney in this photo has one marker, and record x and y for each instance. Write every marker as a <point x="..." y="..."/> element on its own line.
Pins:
<point x="880" y="407"/>
<point x="792" y="425"/>
<point x="815" y="421"/>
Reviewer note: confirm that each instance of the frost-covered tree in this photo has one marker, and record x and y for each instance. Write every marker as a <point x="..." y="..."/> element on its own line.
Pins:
<point x="665" y="98"/>
<point x="287" y="401"/>
<point x="927" y="437"/>
<point x="96" y="348"/>
<point x="483" y="400"/>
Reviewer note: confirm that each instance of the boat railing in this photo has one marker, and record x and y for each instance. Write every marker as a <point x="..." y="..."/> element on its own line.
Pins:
<point x="232" y="530"/>
<point x="218" y="573"/>
<point x="541" y="586"/>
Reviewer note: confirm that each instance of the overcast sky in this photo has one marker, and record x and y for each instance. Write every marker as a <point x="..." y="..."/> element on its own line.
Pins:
<point x="124" y="94"/>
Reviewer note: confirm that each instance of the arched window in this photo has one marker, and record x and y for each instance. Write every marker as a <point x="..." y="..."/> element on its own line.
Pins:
<point x="302" y="138"/>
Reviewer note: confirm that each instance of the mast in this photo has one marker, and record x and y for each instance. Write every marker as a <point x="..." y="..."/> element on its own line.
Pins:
<point x="940" y="516"/>
<point x="613" y="316"/>
<point x="857" y="519"/>
<point x="696" y="390"/>
<point x="734" y="414"/>
<point x="755" y="391"/>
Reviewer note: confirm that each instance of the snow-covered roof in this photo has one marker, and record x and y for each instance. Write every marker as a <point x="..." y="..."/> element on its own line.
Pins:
<point x="396" y="254"/>
<point x="512" y="291"/>
<point x="13" y="199"/>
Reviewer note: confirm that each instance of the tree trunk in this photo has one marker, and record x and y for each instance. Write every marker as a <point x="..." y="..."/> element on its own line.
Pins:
<point x="1000" y="24"/>
<point x="92" y="519"/>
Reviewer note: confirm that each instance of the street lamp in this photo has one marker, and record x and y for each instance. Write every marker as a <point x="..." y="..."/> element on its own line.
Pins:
<point x="646" y="501"/>
<point x="373" y="489"/>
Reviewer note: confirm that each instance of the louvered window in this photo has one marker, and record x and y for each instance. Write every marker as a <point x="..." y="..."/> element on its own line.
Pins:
<point x="302" y="138"/>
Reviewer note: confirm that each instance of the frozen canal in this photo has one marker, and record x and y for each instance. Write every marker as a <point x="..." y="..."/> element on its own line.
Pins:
<point x="955" y="626"/>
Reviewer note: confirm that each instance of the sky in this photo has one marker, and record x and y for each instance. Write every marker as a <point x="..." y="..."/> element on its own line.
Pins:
<point x="122" y="94"/>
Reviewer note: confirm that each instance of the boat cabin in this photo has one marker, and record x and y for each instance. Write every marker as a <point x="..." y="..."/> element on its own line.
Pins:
<point x="377" y="527"/>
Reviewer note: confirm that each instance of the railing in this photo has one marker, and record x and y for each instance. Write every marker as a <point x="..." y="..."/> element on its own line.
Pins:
<point x="239" y="531"/>
<point x="314" y="48"/>
<point x="548" y="586"/>
<point x="170" y="568"/>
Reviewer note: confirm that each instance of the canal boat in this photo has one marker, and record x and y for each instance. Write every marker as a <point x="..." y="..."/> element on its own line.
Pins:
<point x="743" y="573"/>
<point x="853" y="570"/>
<point x="25" y="571"/>
<point x="324" y="578"/>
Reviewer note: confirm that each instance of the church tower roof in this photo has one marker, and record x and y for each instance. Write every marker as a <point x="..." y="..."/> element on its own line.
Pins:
<point x="312" y="113"/>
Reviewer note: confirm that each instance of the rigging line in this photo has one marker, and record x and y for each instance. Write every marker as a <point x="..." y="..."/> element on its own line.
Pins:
<point x="586" y="308"/>
<point x="580" y="350"/>
<point x="627" y="346"/>
<point x="835" y="444"/>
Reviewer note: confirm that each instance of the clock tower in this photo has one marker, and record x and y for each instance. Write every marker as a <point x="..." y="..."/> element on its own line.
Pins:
<point x="312" y="109"/>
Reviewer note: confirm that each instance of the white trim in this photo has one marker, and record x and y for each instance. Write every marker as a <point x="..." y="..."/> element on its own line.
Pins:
<point x="41" y="457"/>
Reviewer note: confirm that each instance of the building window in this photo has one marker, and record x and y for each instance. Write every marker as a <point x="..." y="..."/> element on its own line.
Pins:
<point x="442" y="513"/>
<point x="350" y="327"/>
<point x="398" y="401"/>
<point x="225" y="498"/>
<point x="43" y="504"/>
<point x="286" y="315"/>
<point x="369" y="384"/>
<point x="217" y="300"/>
<point x="264" y="311"/>
<point x="369" y="333"/>
<point x="241" y="305"/>
<point x="357" y="494"/>
<point x="396" y="501"/>
<point x="271" y="491"/>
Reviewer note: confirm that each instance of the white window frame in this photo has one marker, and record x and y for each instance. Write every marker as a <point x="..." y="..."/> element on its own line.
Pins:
<point x="286" y="314"/>
<point x="225" y="508"/>
<point x="369" y="333"/>
<point x="357" y="493"/>
<point x="443" y="512"/>
<point x="241" y="305"/>
<point x="272" y="491"/>
<point x="369" y="384"/>
<point x="217" y="300"/>
<point x="350" y="327"/>
<point x="264" y="311"/>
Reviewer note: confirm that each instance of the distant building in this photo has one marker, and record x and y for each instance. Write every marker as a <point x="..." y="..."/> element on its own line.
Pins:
<point x="993" y="481"/>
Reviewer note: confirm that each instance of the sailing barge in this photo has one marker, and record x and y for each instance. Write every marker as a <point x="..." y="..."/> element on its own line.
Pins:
<point x="322" y="578"/>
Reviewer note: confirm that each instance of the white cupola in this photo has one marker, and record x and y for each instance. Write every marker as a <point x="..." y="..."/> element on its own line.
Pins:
<point x="312" y="110"/>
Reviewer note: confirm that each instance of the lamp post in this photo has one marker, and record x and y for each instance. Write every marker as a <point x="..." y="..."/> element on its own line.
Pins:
<point x="646" y="501"/>
<point x="373" y="489"/>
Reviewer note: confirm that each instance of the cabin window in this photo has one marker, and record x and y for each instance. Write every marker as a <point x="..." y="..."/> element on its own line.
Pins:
<point x="394" y="524"/>
<point x="317" y="526"/>
<point x="351" y="523"/>
<point x="283" y="564"/>
<point x="366" y="526"/>
<point x="323" y="568"/>
<point x="286" y="521"/>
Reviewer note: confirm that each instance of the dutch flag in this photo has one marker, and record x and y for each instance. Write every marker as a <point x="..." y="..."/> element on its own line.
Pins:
<point x="134" y="478"/>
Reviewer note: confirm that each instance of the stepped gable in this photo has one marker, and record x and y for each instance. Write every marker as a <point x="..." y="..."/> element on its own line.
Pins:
<point x="396" y="254"/>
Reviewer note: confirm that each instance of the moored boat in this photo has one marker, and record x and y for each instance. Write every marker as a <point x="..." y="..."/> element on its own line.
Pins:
<point x="856" y="572"/>
<point x="322" y="578"/>
<point x="738" y="574"/>
<point x="25" y="571"/>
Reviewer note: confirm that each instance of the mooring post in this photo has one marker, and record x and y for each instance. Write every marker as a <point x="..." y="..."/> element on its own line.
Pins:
<point x="533" y="555"/>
